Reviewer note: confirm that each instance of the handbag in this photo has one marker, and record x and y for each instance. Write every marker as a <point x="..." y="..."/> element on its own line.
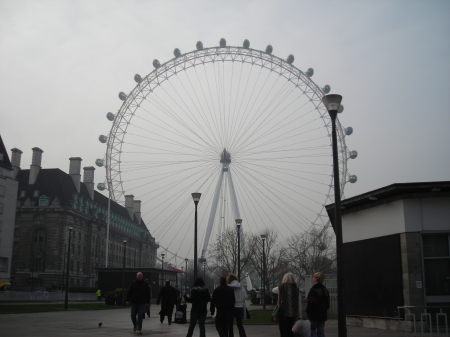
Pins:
<point x="276" y="313"/>
<point x="302" y="328"/>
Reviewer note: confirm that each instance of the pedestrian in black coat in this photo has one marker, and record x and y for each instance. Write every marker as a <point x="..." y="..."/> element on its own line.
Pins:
<point x="139" y="296"/>
<point x="223" y="301"/>
<point x="168" y="297"/>
<point x="318" y="302"/>
<point x="199" y="298"/>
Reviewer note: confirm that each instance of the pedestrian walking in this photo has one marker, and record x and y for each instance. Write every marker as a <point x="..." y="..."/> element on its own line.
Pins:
<point x="222" y="303"/>
<point x="138" y="295"/>
<point x="318" y="302"/>
<point x="99" y="294"/>
<point x="168" y="297"/>
<point x="239" y="304"/>
<point x="288" y="305"/>
<point x="199" y="298"/>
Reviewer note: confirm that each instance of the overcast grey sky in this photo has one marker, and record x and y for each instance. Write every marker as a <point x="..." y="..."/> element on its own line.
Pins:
<point x="64" y="62"/>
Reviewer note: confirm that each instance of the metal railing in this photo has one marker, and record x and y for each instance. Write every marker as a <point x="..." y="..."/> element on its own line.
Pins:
<point x="432" y="322"/>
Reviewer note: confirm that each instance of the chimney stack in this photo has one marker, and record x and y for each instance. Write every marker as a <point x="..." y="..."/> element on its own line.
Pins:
<point x="137" y="209"/>
<point x="74" y="171"/>
<point x="35" y="165"/>
<point x="88" y="180"/>
<point x="129" y="204"/>
<point x="16" y="156"/>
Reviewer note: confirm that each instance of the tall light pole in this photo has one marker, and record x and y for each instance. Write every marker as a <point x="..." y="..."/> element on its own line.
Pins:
<point x="185" y="275"/>
<point x="196" y="196"/>
<point x="66" y="296"/>
<point x="238" y="227"/>
<point x="263" y="238"/>
<point x="332" y="103"/>
<point x="102" y="187"/>
<point x="162" y="268"/>
<point x="124" y="242"/>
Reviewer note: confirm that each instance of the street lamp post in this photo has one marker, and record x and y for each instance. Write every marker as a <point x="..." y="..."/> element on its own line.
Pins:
<point x="124" y="242"/>
<point x="238" y="227"/>
<point x="66" y="296"/>
<point x="185" y="275"/>
<point x="263" y="237"/>
<point x="162" y="268"/>
<point x="332" y="103"/>
<point x="196" y="196"/>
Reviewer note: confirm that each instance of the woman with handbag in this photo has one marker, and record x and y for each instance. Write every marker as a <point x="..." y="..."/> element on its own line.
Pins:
<point x="288" y="305"/>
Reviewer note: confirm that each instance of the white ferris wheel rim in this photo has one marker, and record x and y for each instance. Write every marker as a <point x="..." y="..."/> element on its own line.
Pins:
<point x="200" y="57"/>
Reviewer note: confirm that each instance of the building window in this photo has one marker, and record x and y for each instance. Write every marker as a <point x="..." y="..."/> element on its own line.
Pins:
<point x="1" y="207"/>
<point x="43" y="201"/>
<point x="436" y="252"/>
<point x="39" y="250"/>
<point x="2" y="191"/>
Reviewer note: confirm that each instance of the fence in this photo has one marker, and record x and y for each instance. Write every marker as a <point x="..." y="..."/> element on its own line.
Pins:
<point x="44" y="296"/>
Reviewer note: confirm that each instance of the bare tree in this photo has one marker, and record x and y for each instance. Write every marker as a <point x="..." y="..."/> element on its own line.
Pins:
<point x="312" y="251"/>
<point x="223" y="252"/>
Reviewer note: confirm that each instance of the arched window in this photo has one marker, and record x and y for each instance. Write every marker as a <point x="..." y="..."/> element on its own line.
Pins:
<point x="43" y="200"/>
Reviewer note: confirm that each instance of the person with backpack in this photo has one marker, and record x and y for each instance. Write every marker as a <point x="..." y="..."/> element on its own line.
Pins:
<point x="222" y="303"/>
<point x="199" y="298"/>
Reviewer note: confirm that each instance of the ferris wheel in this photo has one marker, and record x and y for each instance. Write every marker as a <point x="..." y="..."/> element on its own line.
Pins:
<point x="242" y="126"/>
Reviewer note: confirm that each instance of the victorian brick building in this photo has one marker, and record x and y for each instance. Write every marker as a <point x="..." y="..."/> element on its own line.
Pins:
<point x="50" y="205"/>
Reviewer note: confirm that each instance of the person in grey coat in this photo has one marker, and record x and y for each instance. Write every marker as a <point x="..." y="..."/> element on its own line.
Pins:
<point x="288" y="304"/>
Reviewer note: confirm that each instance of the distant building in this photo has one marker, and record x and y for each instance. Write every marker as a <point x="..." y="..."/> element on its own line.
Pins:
<point x="51" y="201"/>
<point x="397" y="249"/>
<point x="8" y="193"/>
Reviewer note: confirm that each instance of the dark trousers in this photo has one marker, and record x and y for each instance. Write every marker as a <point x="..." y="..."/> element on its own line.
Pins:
<point x="137" y="314"/>
<point x="285" y="324"/>
<point x="166" y="311"/>
<point x="224" y="321"/>
<point x="200" y="318"/>
<point x="238" y="314"/>
<point x="317" y="328"/>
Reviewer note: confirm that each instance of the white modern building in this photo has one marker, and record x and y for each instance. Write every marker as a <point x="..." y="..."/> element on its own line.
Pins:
<point x="397" y="249"/>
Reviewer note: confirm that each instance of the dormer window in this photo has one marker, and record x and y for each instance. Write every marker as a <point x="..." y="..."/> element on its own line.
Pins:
<point x="43" y="200"/>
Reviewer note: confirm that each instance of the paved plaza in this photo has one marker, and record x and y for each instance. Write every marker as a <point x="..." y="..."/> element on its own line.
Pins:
<point x="116" y="322"/>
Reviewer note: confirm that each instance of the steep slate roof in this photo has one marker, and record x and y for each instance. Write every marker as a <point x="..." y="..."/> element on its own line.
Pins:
<point x="391" y="193"/>
<point x="4" y="158"/>
<point x="56" y="183"/>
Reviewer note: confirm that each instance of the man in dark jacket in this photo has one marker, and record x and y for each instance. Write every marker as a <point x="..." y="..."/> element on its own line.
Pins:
<point x="168" y="297"/>
<point x="223" y="301"/>
<point x="199" y="298"/>
<point x="139" y="296"/>
<point x="318" y="302"/>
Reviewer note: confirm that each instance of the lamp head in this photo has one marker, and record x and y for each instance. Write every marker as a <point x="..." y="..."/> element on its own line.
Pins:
<point x="238" y="222"/>
<point x="332" y="102"/>
<point x="196" y="196"/>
